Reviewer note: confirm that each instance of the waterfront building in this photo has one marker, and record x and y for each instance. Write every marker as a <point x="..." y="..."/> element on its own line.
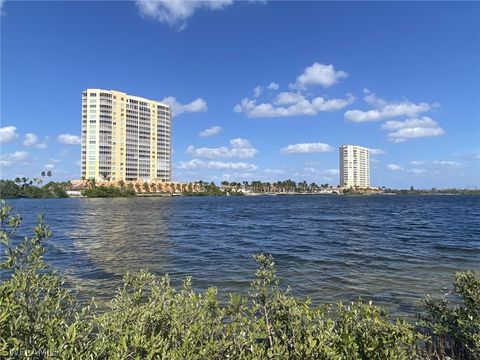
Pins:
<point x="354" y="166"/>
<point x="125" y="137"/>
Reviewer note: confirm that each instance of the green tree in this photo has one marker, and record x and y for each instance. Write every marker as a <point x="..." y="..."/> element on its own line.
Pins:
<point x="9" y="189"/>
<point x="39" y="317"/>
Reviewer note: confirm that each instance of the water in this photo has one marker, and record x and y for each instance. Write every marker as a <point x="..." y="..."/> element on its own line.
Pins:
<point x="389" y="249"/>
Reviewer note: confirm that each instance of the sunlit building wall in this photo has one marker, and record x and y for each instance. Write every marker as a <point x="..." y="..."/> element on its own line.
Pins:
<point x="354" y="166"/>
<point x="125" y="137"/>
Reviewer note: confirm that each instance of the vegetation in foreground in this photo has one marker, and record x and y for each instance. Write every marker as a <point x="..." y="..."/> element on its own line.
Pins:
<point x="41" y="318"/>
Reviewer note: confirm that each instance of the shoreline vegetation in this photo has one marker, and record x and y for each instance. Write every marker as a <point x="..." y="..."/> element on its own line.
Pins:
<point x="26" y="188"/>
<point x="41" y="317"/>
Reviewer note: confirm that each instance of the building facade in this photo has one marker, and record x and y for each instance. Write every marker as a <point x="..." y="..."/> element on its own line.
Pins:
<point x="354" y="166"/>
<point x="125" y="137"/>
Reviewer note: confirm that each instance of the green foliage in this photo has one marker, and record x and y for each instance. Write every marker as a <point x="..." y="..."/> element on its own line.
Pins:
<point x="40" y="317"/>
<point x="9" y="190"/>
<point x="457" y="314"/>
<point x="108" y="192"/>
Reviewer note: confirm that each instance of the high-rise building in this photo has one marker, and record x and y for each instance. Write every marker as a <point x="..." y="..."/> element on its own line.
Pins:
<point x="354" y="166"/>
<point x="125" y="137"/>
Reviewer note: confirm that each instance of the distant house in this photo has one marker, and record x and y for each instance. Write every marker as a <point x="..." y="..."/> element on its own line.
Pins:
<point x="74" y="193"/>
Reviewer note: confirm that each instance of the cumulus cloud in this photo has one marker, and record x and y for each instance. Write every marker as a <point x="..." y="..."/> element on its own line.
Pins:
<point x="417" y="171"/>
<point x="176" y="13"/>
<point x="377" y="151"/>
<point x="197" y="105"/>
<point x="306" y="148"/>
<point x="214" y="130"/>
<point x="10" y="159"/>
<point x="400" y="131"/>
<point x="384" y="110"/>
<point x="417" y="162"/>
<point x="291" y="104"/>
<point x="446" y="163"/>
<point x="275" y="171"/>
<point x="273" y="86"/>
<point x="8" y="134"/>
<point x="258" y="91"/>
<point x="427" y="167"/>
<point x="296" y="102"/>
<point x="318" y="74"/>
<point x="69" y="139"/>
<point x="330" y="172"/>
<point x="394" y="167"/>
<point x="315" y="173"/>
<point x="216" y="165"/>
<point x="239" y="147"/>
<point x="30" y="139"/>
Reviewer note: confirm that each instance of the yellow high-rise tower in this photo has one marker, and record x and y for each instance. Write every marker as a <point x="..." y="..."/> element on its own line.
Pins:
<point x="125" y="137"/>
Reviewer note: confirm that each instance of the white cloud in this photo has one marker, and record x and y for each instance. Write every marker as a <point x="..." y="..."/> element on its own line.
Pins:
<point x="273" y="86"/>
<point x="377" y="151"/>
<point x="417" y="171"/>
<point x="214" y="130"/>
<point x="8" y="134"/>
<point x="197" y="105"/>
<point x="49" y="166"/>
<point x="412" y="128"/>
<point x="291" y="104"/>
<point x="446" y="163"/>
<point x="216" y="165"/>
<point x="288" y="98"/>
<point x="10" y="159"/>
<point x="176" y="12"/>
<point x="394" y="167"/>
<point x="258" y="91"/>
<point x="318" y="74"/>
<point x="239" y="147"/>
<point x="330" y="172"/>
<point x="30" y="139"/>
<point x="306" y="148"/>
<point x="417" y="162"/>
<point x="384" y="110"/>
<point x="275" y="171"/>
<point x="69" y="139"/>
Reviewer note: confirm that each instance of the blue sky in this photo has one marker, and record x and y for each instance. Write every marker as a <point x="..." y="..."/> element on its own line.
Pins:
<point x="261" y="90"/>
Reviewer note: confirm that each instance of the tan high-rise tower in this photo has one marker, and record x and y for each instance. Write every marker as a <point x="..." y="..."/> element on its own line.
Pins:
<point x="125" y="137"/>
<point x="354" y="166"/>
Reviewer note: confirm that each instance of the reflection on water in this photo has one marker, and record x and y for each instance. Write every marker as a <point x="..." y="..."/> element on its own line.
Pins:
<point x="392" y="250"/>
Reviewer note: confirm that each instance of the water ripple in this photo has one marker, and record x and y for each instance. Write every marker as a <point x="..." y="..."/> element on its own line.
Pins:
<point x="392" y="250"/>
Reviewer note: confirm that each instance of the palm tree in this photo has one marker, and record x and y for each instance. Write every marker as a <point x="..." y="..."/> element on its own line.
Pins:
<point x="146" y="187"/>
<point x="49" y="173"/>
<point x="138" y="187"/>
<point x="91" y="183"/>
<point x="130" y="187"/>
